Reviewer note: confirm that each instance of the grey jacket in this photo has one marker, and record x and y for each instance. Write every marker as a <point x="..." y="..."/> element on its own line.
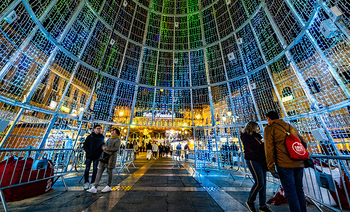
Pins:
<point x="113" y="145"/>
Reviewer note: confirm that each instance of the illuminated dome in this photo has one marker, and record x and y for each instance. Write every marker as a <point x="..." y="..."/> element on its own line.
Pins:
<point x="210" y="65"/>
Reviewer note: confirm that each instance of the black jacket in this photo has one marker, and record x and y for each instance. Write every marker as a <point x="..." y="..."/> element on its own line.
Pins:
<point x="93" y="146"/>
<point x="130" y="146"/>
<point x="149" y="146"/>
<point x="253" y="147"/>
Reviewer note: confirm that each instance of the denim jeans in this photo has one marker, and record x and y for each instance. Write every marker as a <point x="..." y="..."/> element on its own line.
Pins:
<point x="87" y="169"/>
<point x="258" y="171"/>
<point x="292" y="183"/>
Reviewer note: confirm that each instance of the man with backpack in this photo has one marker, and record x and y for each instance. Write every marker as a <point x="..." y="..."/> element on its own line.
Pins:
<point x="280" y="163"/>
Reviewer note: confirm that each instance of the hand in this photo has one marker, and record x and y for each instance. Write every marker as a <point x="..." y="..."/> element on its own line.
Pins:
<point x="275" y="175"/>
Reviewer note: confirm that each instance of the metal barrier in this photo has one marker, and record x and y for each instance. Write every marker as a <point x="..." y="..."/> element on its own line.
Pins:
<point x="184" y="156"/>
<point x="326" y="184"/>
<point x="124" y="159"/>
<point x="25" y="166"/>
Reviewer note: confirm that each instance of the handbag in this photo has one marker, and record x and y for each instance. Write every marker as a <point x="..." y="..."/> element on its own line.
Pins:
<point x="105" y="158"/>
<point x="309" y="163"/>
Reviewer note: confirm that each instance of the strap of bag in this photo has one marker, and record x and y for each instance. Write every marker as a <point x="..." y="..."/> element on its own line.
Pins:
<point x="288" y="133"/>
<point x="257" y="140"/>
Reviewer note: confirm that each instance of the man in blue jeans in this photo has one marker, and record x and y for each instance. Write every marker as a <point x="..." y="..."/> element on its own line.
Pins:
<point x="93" y="149"/>
<point x="281" y="165"/>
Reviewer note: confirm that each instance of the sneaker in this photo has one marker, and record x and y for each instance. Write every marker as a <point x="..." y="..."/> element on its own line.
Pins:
<point x="86" y="185"/>
<point x="92" y="190"/>
<point x="250" y="206"/>
<point x="264" y="209"/>
<point x="107" y="189"/>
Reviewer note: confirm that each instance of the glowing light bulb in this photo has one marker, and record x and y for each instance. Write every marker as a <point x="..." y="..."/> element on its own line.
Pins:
<point x="229" y="113"/>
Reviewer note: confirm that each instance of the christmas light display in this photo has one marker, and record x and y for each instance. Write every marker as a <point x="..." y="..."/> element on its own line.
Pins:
<point x="210" y="65"/>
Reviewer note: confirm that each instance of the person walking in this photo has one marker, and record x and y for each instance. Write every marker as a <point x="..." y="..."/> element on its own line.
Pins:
<point x="93" y="149"/>
<point x="136" y="147"/>
<point x="149" y="151"/>
<point x="171" y="150"/>
<point x="129" y="150"/>
<point x="160" y="150"/>
<point x="164" y="149"/>
<point x="281" y="165"/>
<point x="178" y="150"/>
<point x="110" y="149"/>
<point x="254" y="154"/>
<point x="155" y="150"/>
<point x="167" y="150"/>
<point x="187" y="150"/>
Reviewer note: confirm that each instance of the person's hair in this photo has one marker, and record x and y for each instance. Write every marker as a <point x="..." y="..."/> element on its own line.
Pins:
<point x="97" y="125"/>
<point x="250" y="128"/>
<point x="116" y="131"/>
<point x="273" y="115"/>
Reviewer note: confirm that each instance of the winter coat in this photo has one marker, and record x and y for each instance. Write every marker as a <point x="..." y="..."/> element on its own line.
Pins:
<point x="93" y="146"/>
<point x="113" y="145"/>
<point x="149" y="146"/>
<point x="187" y="147"/>
<point x="160" y="148"/>
<point x="275" y="146"/>
<point x="178" y="147"/>
<point x="253" y="147"/>
<point x="155" y="148"/>
<point x="136" y="148"/>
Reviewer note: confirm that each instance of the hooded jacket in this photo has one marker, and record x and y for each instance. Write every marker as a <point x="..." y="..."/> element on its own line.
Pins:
<point x="275" y="146"/>
<point x="93" y="146"/>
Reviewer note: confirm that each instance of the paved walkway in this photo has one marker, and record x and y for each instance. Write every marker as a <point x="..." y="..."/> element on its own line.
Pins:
<point x="152" y="186"/>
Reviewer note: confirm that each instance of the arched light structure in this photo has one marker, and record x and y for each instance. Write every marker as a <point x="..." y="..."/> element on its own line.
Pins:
<point x="212" y="65"/>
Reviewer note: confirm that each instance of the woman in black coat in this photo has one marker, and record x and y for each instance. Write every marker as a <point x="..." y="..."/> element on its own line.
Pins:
<point x="254" y="154"/>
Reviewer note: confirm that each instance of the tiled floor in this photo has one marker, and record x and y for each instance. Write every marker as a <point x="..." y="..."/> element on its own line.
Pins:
<point x="152" y="186"/>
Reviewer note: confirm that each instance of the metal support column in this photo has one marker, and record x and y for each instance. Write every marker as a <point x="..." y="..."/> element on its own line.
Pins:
<point x="264" y="59"/>
<point x="213" y="120"/>
<point x="228" y="85"/>
<point x="301" y="79"/>
<point x="27" y="39"/>
<point x="137" y="79"/>
<point x="246" y="71"/>
<point x="37" y="81"/>
<point x="319" y="50"/>
<point x="122" y="61"/>
<point x="155" y="90"/>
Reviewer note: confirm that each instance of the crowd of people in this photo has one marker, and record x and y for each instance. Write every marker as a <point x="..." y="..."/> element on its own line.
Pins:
<point x="155" y="150"/>
<point x="262" y="155"/>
